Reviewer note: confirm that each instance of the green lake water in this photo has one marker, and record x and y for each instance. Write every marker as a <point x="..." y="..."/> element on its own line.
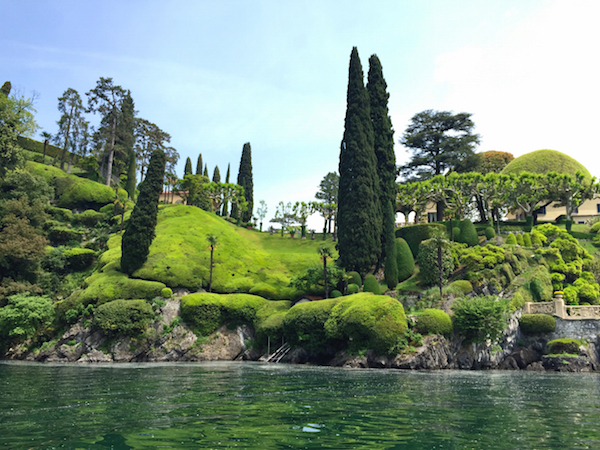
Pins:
<point x="276" y="406"/>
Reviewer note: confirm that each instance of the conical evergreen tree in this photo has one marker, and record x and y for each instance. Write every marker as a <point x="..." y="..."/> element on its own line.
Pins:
<point x="217" y="175"/>
<point x="125" y="139"/>
<point x="225" y="205"/>
<point x="245" y="180"/>
<point x="206" y="170"/>
<point x="199" y="165"/>
<point x="383" y="138"/>
<point x="188" y="167"/>
<point x="139" y="231"/>
<point x="359" y="213"/>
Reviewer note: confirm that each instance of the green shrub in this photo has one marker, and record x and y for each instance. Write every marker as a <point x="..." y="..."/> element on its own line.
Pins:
<point x="355" y="277"/>
<point x="88" y="218"/>
<point x="166" y="293"/>
<point x="511" y="239"/>
<point x="265" y="290"/>
<point x="479" y="318"/>
<point x="335" y="293"/>
<point x="428" y="263"/>
<point x="406" y="261"/>
<point x="536" y="240"/>
<point x="558" y="346"/>
<point x="367" y="321"/>
<point x="434" y="321"/>
<point x="520" y="241"/>
<point x="61" y="214"/>
<point x="123" y="317"/>
<point x="24" y="314"/>
<point x="78" y="259"/>
<point x="490" y="233"/>
<point x="304" y="324"/>
<point x="312" y="280"/>
<point x="537" y="323"/>
<point x="59" y="235"/>
<point x="353" y="289"/>
<point x="456" y="233"/>
<point x="461" y="286"/>
<point x="527" y="240"/>
<point x="371" y="284"/>
<point x="540" y="285"/>
<point x="414" y="234"/>
<point x="468" y="233"/>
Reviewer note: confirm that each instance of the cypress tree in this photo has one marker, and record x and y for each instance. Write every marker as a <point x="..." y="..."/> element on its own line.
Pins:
<point x="225" y="205"/>
<point x="245" y="180"/>
<point x="199" y="165"/>
<point x="383" y="138"/>
<point x="206" y="170"/>
<point x="188" y="167"/>
<point x="359" y="213"/>
<point x="139" y="231"/>
<point x="126" y="139"/>
<point x="217" y="175"/>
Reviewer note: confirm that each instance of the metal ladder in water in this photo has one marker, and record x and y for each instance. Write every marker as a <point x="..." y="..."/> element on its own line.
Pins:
<point x="279" y="353"/>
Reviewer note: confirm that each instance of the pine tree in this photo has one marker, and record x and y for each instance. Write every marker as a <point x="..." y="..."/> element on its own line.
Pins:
<point x="139" y="231"/>
<point x="245" y="180"/>
<point x="225" y="205"/>
<point x="199" y="165"/>
<point x="359" y="213"/>
<point x="188" y="167"/>
<point x="216" y="175"/>
<point x="386" y="166"/>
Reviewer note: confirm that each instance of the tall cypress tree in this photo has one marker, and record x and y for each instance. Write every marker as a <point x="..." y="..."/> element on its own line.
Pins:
<point x="188" y="167"/>
<point x="359" y="212"/>
<point x="386" y="166"/>
<point x="125" y="139"/>
<point x="199" y="165"/>
<point x="225" y="205"/>
<point x="217" y="175"/>
<point x="245" y="180"/>
<point x="206" y="170"/>
<point x="139" y="231"/>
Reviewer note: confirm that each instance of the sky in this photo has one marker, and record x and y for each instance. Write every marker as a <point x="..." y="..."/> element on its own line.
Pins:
<point x="217" y="74"/>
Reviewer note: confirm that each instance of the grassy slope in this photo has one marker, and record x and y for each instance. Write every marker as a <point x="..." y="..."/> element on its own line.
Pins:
<point x="179" y="255"/>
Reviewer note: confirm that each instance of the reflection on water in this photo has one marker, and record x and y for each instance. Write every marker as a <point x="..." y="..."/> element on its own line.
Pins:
<point x="250" y="405"/>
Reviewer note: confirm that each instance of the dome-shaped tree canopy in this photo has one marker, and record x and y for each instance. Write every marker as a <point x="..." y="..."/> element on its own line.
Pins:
<point x="544" y="161"/>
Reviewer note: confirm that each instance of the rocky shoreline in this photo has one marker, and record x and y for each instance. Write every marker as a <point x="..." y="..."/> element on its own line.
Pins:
<point x="168" y="343"/>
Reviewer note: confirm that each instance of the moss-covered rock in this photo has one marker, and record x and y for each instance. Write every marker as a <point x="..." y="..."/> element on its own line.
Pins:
<point x="558" y="346"/>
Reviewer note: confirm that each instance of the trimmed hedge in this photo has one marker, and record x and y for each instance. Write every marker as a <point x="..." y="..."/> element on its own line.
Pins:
<point x="414" y="234"/>
<point x="537" y="323"/>
<point x="558" y="346"/>
<point x="356" y="279"/>
<point x="490" y="233"/>
<point x="79" y="258"/>
<point x="511" y="239"/>
<point x="59" y="235"/>
<point x="88" y="218"/>
<point x="371" y="285"/>
<point x="468" y="233"/>
<point x="353" y="289"/>
<point x="406" y="261"/>
<point x="124" y="317"/>
<point x="434" y="321"/>
<point x="166" y="293"/>
<point x="462" y="286"/>
<point x="304" y="324"/>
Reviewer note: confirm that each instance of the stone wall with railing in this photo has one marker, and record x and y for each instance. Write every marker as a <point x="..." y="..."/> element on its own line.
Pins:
<point x="558" y="308"/>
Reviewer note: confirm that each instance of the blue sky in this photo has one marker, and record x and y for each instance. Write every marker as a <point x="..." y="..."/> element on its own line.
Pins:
<point x="217" y="74"/>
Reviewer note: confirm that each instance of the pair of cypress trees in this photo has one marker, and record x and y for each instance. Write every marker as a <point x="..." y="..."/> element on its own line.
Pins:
<point x="367" y="189"/>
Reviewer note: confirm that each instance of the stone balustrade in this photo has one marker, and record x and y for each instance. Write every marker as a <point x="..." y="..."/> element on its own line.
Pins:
<point x="558" y="308"/>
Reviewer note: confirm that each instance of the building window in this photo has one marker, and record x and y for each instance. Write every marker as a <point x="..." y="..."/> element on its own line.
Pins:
<point x="431" y="217"/>
<point x="598" y="207"/>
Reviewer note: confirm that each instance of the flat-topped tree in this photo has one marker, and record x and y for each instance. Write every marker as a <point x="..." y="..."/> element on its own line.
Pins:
<point x="106" y="99"/>
<point x="359" y="213"/>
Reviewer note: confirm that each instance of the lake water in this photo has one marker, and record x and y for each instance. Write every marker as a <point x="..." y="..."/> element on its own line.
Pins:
<point x="251" y="405"/>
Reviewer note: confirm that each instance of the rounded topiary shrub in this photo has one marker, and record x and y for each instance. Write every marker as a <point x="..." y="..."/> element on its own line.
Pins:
<point x="335" y="293"/>
<point x="461" y="286"/>
<point x="537" y="323"/>
<point x="527" y="240"/>
<point x="406" y="261"/>
<point x="511" y="239"/>
<point x="166" y="293"/>
<point x="353" y="288"/>
<point x="123" y="317"/>
<point x="89" y="218"/>
<point x="468" y="233"/>
<point x="371" y="285"/>
<point x="456" y="233"/>
<point x="434" y="321"/>
<point x="79" y="258"/>
<point x="490" y="233"/>
<point x="355" y="277"/>
<point x="558" y="346"/>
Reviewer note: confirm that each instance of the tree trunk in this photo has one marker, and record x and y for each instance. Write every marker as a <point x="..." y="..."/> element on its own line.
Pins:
<point x="112" y="151"/>
<point x="70" y="162"/>
<point x="211" y="269"/>
<point x="45" y="145"/>
<point x="64" y="153"/>
<point x="325" y="275"/>
<point x="482" y="213"/>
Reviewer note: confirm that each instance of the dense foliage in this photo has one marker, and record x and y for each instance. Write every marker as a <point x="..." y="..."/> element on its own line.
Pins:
<point x="434" y="321"/>
<point x="414" y="234"/>
<point x="558" y="346"/>
<point x="124" y="317"/>
<point x="537" y="323"/>
<point x="428" y="263"/>
<point x="406" y="262"/>
<point x="480" y="318"/>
